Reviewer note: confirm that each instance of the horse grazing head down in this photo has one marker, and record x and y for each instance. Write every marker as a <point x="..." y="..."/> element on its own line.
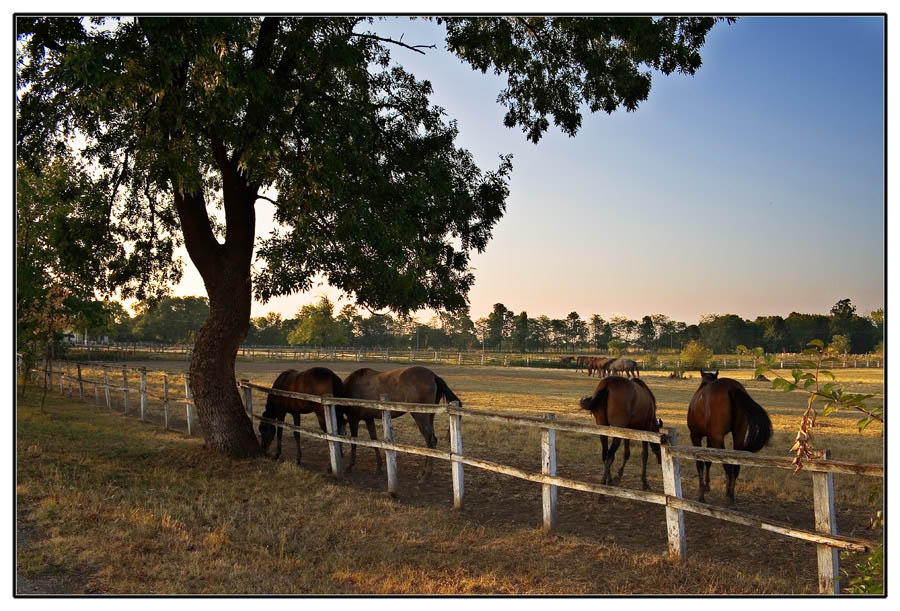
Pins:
<point x="266" y="431"/>
<point x="708" y="376"/>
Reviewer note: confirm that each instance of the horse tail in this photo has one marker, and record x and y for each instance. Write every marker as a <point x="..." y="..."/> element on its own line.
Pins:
<point x="444" y="391"/>
<point x="759" y="426"/>
<point x="599" y="401"/>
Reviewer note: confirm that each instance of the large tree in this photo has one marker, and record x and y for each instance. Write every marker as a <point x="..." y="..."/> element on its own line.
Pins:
<point x="184" y="115"/>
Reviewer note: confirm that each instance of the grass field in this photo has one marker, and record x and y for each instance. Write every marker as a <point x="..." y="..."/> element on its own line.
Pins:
<point x="102" y="490"/>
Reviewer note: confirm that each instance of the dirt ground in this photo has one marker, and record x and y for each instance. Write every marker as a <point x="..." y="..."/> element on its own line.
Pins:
<point x="494" y="499"/>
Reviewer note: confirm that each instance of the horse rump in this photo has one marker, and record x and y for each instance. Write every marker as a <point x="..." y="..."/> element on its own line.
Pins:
<point x="759" y="425"/>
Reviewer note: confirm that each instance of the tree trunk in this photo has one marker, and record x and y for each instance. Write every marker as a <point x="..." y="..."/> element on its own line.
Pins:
<point x="225" y="269"/>
<point x="223" y="421"/>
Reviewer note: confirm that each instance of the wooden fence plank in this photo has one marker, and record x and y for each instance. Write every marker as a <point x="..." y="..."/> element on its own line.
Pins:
<point x="827" y="557"/>
<point x="548" y="467"/>
<point x="456" y="451"/>
<point x="390" y="456"/>
<point x="737" y="457"/>
<point x="672" y="487"/>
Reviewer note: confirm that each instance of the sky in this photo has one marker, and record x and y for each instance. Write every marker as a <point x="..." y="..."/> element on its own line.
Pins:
<point x="755" y="187"/>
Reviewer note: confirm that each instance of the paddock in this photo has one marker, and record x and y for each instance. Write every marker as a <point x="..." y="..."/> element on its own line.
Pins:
<point x="492" y="497"/>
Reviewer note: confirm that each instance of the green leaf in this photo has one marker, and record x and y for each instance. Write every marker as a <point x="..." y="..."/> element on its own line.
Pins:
<point x="782" y="384"/>
<point x="807" y="364"/>
<point x="796" y="373"/>
<point x="826" y="372"/>
<point x="809" y="382"/>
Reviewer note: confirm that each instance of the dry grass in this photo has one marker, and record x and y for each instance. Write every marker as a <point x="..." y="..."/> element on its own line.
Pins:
<point x="139" y="510"/>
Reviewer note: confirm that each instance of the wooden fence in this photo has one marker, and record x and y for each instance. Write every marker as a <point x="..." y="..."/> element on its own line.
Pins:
<point x="665" y="362"/>
<point x="828" y="542"/>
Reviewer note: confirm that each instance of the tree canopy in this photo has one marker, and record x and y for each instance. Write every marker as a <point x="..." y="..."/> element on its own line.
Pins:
<point x="180" y="117"/>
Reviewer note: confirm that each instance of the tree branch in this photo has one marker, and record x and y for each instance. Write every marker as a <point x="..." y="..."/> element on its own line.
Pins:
<point x="416" y="48"/>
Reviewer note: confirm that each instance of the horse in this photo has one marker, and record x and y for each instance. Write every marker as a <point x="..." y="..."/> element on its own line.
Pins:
<point x="581" y="362"/>
<point x="407" y="385"/>
<point x="626" y="366"/>
<point x="720" y="406"/>
<point x="624" y="403"/>
<point x="314" y="381"/>
<point x="597" y="363"/>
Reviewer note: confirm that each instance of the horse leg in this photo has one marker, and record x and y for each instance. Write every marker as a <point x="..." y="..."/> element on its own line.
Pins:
<point x="370" y="424"/>
<point x="718" y="442"/>
<point x="731" y="472"/>
<point x="278" y="438"/>
<point x="354" y="432"/>
<point x="607" y="464"/>
<point x="297" y="435"/>
<point x="697" y="440"/>
<point x="625" y="458"/>
<point x="644" y="453"/>
<point x="425" y="422"/>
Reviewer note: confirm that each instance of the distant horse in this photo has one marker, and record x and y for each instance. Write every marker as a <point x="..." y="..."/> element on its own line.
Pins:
<point x="720" y="406"/>
<point x="629" y="404"/>
<point x="407" y="385"/>
<point x="314" y="381"/>
<point x="581" y="362"/>
<point x="626" y="366"/>
<point x="597" y="363"/>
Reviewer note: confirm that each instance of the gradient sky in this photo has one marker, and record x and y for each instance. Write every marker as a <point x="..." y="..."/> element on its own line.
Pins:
<point x="755" y="187"/>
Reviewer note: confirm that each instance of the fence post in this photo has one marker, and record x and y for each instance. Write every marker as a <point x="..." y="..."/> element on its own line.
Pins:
<point x="106" y="386"/>
<point x="672" y="487"/>
<point x="826" y="522"/>
<point x="390" y="456"/>
<point x="456" y="467"/>
<point x="124" y="388"/>
<point x="166" y="401"/>
<point x="188" y="395"/>
<point x="80" y="382"/>
<point x="143" y="391"/>
<point x="334" y="447"/>
<point x="548" y="467"/>
<point x="248" y="398"/>
<point x="62" y="380"/>
<point x="96" y="395"/>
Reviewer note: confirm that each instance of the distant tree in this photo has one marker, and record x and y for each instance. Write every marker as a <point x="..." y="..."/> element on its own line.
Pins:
<point x="540" y="331"/>
<point x="774" y="332"/>
<point x="842" y="314"/>
<point x="840" y="344"/>
<point x="800" y="329"/>
<point x="482" y="330"/>
<point x="600" y="332"/>
<point x="317" y="327"/>
<point x="616" y="346"/>
<point x="576" y="329"/>
<point x="520" y="331"/>
<point x="268" y="330"/>
<point x="376" y="331"/>
<point x="695" y="355"/>
<point x="348" y="319"/>
<point x="460" y="329"/>
<point x="646" y="333"/>
<point x="171" y="319"/>
<point x="559" y="333"/>
<point x="497" y="326"/>
<point x="664" y="328"/>
<point x="722" y="333"/>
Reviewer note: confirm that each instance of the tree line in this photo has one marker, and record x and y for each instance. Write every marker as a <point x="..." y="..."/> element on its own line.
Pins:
<point x="177" y="319"/>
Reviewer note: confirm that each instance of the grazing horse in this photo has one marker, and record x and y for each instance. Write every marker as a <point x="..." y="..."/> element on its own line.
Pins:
<point x="628" y="404"/>
<point x="581" y="362"/>
<point x="721" y="405"/>
<point x="314" y="381"/>
<point x="407" y="385"/>
<point x="597" y="363"/>
<point x="626" y="366"/>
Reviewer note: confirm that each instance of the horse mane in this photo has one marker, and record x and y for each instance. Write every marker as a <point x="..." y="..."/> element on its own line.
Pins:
<point x="444" y="391"/>
<point x="759" y="429"/>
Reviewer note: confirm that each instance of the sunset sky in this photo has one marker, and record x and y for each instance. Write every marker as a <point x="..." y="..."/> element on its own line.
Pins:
<point x="755" y="187"/>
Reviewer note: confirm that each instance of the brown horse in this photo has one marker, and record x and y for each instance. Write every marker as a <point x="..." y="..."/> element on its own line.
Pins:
<point x="598" y="364"/>
<point x="314" y="381"/>
<point x="624" y="403"/>
<point x="721" y="406"/>
<point x="407" y="385"/>
<point x="581" y="362"/>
